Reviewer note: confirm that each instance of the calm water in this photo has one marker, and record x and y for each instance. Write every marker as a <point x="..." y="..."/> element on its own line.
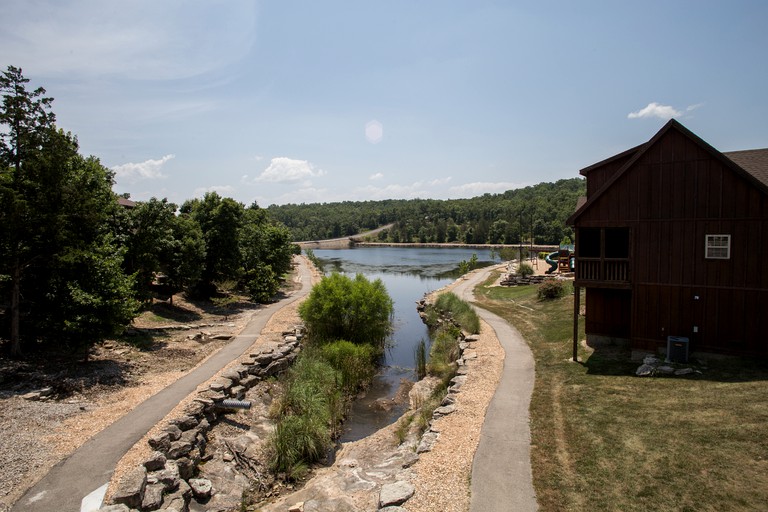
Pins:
<point x="408" y="274"/>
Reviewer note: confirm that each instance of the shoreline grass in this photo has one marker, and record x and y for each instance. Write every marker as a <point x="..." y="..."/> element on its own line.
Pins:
<point x="604" y="439"/>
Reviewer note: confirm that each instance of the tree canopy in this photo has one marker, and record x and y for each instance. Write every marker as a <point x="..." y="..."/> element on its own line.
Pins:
<point x="538" y="211"/>
<point x="75" y="266"/>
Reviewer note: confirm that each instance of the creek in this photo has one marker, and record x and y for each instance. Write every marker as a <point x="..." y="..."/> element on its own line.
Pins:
<point x="408" y="274"/>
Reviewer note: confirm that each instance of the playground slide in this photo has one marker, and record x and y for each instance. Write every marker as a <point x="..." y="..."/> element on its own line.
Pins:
<point x="553" y="257"/>
<point x="552" y="262"/>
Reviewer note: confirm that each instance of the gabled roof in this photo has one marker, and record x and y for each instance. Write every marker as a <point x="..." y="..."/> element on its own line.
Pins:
<point x="629" y="152"/>
<point x="126" y="203"/>
<point x="754" y="161"/>
<point x="750" y="164"/>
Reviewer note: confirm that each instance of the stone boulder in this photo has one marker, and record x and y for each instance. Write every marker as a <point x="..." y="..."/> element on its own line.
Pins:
<point x="130" y="491"/>
<point x="395" y="494"/>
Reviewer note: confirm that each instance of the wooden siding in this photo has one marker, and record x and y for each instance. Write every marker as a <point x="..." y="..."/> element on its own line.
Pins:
<point x="675" y="194"/>
<point x="599" y="175"/>
<point x="608" y="312"/>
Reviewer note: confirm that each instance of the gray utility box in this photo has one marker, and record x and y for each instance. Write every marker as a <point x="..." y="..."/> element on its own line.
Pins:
<point x="677" y="349"/>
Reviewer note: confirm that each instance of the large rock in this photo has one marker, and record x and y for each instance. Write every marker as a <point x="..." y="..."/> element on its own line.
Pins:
<point x="395" y="494"/>
<point x="130" y="491"/>
<point x="184" y="423"/>
<point x="169" y="477"/>
<point x="201" y="488"/>
<point x="174" y="432"/>
<point x="160" y="442"/>
<point x="115" y="508"/>
<point x="155" y="461"/>
<point x="186" y="467"/>
<point x="179" y="449"/>
<point x="179" y="500"/>
<point x="153" y="497"/>
<point x="221" y="384"/>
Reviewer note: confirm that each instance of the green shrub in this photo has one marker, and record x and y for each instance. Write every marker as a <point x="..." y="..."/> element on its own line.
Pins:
<point x="356" y="364"/>
<point x="317" y="390"/>
<point x="551" y="289"/>
<point x="296" y="441"/>
<point x="443" y="354"/>
<point x="341" y="308"/>
<point x="309" y="412"/>
<point x="525" y="270"/>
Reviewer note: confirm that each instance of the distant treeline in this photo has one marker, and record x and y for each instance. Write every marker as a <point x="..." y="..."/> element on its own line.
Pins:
<point x="538" y="211"/>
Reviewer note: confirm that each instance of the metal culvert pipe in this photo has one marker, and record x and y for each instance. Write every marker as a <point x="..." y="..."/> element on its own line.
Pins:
<point x="233" y="404"/>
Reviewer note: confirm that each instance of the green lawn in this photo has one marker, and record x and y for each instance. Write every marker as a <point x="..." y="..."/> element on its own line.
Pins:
<point x="604" y="439"/>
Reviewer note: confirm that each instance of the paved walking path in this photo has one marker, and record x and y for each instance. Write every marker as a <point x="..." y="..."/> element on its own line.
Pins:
<point x="501" y="470"/>
<point x="88" y="470"/>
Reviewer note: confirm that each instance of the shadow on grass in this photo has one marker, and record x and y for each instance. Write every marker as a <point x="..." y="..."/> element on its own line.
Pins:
<point x="617" y="361"/>
<point x="174" y="312"/>
<point x="64" y="373"/>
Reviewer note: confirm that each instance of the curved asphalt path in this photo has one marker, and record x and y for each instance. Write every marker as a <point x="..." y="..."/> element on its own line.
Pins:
<point x="88" y="470"/>
<point x="501" y="470"/>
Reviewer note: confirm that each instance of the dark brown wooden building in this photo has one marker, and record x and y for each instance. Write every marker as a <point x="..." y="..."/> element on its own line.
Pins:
<point x="672" y="240"/>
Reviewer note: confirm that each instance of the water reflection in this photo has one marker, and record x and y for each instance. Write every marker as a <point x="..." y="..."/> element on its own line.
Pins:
<point x="408" y="274"/>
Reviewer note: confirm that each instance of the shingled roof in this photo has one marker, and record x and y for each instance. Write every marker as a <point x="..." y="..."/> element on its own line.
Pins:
<point x="754" y="161"/>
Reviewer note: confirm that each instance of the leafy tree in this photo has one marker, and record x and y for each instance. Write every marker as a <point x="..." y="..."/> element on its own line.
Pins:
<point x="27" y="120"/>
<point x="187" y="259"/>
<point x="151" y="243"/>
<point x="220" y="220"/>
<point x="341" y="308"/>
<point x="541" y="210"/>
<point x="62" y="263"/>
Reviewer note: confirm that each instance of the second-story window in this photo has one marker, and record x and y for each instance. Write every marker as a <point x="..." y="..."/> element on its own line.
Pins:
<point x="718" y="247"/>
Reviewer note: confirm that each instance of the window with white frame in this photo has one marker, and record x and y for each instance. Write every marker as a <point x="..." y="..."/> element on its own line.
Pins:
<point x="718" y="247"/>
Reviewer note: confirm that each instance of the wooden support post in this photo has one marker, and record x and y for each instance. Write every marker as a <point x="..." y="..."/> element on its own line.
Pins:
<point x="576" y="308"/>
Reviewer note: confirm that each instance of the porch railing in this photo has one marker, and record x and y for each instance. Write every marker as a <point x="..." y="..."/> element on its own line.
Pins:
<point x="603" y="269"/>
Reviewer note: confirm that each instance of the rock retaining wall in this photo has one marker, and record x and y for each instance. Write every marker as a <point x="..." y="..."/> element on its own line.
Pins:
<point x="165" y="481"/>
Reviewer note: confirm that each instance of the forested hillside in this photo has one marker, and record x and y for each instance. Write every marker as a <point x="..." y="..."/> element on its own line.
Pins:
<point x="540" y="210"/>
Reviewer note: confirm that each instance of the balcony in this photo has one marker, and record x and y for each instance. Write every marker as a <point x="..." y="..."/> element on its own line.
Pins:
<point x="603" y="270"/>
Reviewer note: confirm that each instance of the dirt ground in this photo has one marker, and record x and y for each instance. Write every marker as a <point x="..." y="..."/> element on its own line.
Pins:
<point x="162" y="345"/>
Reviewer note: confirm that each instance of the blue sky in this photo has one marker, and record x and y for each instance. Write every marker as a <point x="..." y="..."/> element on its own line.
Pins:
<point x="288" y="102"/>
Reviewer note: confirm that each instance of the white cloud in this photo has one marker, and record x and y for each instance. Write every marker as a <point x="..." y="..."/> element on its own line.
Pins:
<point x="375" y="177"/>
<point x="222" y="190"/>
<point x="284" y="170"/>
<point x="298" y="196"/>
<point x="656" y="110"/>
<point x="146" y="170"/>
<point x="411" y="191"/>
<point x="479" y="188"/>
<point x="418" y="189"/>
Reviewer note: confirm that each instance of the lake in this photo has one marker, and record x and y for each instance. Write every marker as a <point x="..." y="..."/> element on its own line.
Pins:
<point x="408" y="274"/>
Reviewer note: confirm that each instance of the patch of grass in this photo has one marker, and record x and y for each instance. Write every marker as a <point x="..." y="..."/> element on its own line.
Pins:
<point x="604" y="439"/>
<point x="403" y="426"/>
<point x="443" y="353"/>
<point x="309" y="411"/>
<point x="460" y="311"/>
<point x="355" y="363"/>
